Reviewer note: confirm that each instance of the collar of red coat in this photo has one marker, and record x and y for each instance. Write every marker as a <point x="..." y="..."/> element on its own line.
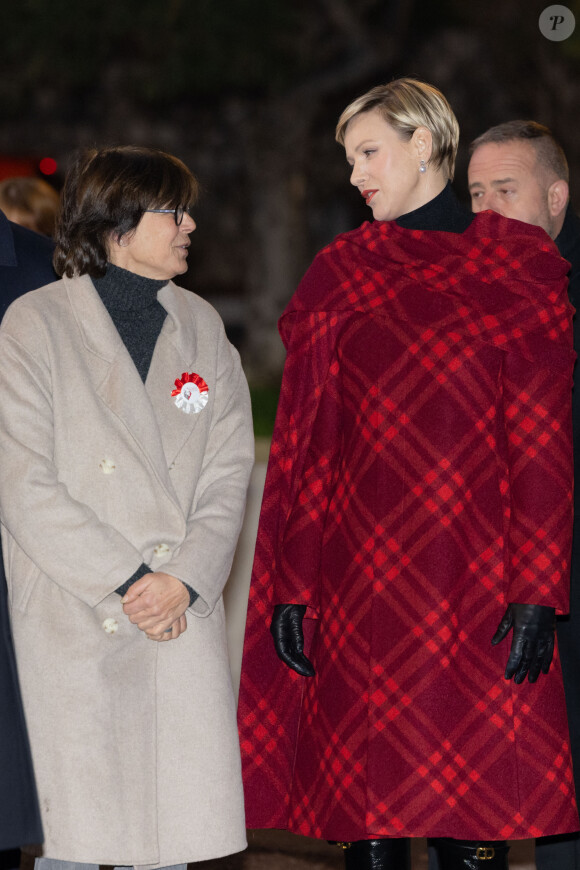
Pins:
<point x="502" y="280"/>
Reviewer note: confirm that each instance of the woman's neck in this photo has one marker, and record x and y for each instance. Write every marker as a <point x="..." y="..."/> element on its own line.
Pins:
<point x="444" y="213"/>
<point x="123" y="290"/>
<point x="431" y="184"/>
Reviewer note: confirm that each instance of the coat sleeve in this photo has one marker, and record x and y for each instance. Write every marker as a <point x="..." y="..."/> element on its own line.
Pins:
<point x="537" y="418"/>
<point x="299" y="550"/>
<point x="63" y="537"/>
<point x="300" y="467"/>
<point x="204" y="559"/>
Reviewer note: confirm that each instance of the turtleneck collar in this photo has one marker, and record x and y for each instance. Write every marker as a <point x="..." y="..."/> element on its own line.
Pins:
<point x="444" y="213"/>
<point x="121" y="290"/>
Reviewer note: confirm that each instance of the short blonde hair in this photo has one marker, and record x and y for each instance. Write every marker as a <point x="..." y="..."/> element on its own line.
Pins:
<point x="406" y="104"/>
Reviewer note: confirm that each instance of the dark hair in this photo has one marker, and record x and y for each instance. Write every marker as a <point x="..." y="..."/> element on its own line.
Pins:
<point x="549" y="153"/>
<point x="105" y="195"/>
<point x="30" y="202"/>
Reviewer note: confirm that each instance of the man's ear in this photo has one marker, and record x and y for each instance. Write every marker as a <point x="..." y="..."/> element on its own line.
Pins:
<point x="423" y="142"/>
<point x="558" y="194"/>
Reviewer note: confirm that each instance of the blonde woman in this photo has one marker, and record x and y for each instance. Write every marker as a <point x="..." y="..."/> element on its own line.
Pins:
<point x="417" y="509"/>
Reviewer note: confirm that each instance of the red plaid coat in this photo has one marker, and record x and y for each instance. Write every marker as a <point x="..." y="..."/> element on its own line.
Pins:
<point x="419" y="480"/>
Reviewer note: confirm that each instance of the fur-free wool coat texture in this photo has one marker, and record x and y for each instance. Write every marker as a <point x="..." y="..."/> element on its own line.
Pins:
<point x="134" y="742"/>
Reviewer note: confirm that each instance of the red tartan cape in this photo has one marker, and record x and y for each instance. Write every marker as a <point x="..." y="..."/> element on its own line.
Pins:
<point x="419" y="479"/>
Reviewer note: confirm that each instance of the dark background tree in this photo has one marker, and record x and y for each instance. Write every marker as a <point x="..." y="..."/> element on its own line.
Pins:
<point x="247" y="92"/>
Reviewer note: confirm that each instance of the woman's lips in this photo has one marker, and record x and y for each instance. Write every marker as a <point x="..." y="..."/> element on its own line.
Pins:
<point x="368" y="195"/>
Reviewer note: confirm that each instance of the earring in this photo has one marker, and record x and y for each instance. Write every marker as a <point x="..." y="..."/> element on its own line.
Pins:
<point x="422" y="167"/>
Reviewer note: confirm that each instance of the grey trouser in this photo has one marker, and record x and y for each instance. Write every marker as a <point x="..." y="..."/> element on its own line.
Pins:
<point x="52" y="864"/>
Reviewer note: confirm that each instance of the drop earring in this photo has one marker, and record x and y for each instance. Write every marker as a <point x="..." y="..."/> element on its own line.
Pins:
<point x="422" y="167"/>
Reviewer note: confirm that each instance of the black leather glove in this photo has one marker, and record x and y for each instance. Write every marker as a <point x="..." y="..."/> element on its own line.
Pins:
<point x="288" y="637"/>
<point x="533" y="640"/>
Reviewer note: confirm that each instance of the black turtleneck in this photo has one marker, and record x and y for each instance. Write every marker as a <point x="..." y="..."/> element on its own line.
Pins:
<point x="131" y="301"/>
<point x="444" y="213"/>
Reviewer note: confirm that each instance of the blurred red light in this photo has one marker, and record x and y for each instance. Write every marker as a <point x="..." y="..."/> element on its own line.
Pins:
<point x="47" y="166"/>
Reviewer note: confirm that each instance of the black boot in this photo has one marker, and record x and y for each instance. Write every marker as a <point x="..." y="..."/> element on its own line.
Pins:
<point x="471" y="854"/>
<point x="388" y="854"/>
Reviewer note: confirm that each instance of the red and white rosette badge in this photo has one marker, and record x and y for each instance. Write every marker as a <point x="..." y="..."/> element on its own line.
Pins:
<point x="191" y="393"/>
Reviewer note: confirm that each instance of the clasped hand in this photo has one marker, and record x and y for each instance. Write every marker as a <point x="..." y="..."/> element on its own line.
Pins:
<point x="532" y="647"/>
<point x="156" y="604"/>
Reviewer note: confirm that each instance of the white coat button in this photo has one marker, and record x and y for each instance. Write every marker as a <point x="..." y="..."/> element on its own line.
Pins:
<point x="107" y="466"/>
<point x="161" y="550"/>
<point x="110" y="625"/>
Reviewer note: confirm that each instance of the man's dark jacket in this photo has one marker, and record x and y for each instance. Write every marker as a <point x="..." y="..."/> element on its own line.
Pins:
<point x="25" y="264"/>
<point x="568" y="243"/>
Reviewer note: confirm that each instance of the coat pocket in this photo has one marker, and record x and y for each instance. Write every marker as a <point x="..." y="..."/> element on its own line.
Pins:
<point x="22" y="574"/>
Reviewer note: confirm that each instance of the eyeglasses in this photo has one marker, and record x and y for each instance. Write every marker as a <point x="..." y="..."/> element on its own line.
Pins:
<point x="177" y="213"/>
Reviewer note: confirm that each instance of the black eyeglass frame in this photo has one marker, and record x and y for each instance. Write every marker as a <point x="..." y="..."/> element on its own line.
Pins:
<point x="178" y="212"/>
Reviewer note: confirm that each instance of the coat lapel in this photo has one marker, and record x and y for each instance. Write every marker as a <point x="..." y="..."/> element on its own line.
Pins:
<point x="175" y="353"/>
<point x="116" y="379"/>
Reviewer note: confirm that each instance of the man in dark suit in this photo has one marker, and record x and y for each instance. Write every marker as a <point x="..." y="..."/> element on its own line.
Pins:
<point x="25" y="264"/>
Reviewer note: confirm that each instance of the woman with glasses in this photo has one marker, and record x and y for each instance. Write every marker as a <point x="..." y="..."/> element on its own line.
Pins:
<point x="127" y="444"/>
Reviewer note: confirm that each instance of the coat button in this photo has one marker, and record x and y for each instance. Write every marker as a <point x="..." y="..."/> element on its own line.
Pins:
<point x="161" y="550"/>
<point x="107" y="466"/>
<point x="110" y="625"/>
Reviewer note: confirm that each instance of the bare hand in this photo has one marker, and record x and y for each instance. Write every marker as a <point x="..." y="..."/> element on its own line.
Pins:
<point x="156" y="602"/>
<point x="178" y="627"/>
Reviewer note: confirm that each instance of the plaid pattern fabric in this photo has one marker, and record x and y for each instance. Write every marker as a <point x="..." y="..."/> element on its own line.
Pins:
<point x="420" y="478"/>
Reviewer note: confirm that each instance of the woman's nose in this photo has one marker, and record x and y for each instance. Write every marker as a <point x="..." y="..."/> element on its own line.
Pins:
<point x="356" y="176"/>
<point x="188" y="224"/>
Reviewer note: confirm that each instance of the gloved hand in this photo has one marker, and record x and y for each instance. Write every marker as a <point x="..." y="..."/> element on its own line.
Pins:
<point x="288" y="637"/>
<point x="533" y="640"/>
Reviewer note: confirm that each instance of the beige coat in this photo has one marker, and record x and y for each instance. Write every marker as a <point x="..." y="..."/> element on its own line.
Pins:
<point x="134" y="742"/>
